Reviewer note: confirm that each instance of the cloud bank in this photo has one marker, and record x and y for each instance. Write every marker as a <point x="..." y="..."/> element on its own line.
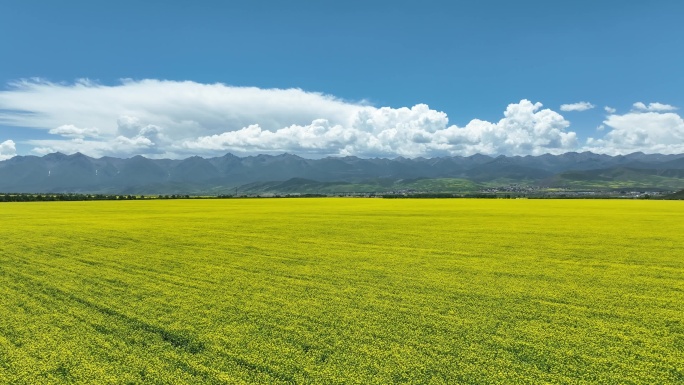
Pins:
<point x="159" y="118"/>
<point x="410" y="132"/>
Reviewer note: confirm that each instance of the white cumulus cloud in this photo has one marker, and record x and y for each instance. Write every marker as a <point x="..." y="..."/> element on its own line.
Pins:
<point x="71" y="131"/>
<point x="609" y="110"/>
<point x="8" y="149"/>
<point x="650" y="132"/>
<point x="580" y="106"/>
<point x="525" y="129"/>
<point x="654" y="107"/>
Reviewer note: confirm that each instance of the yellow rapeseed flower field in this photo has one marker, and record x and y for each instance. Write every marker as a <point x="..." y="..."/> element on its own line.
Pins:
<point x="342" y="291"/>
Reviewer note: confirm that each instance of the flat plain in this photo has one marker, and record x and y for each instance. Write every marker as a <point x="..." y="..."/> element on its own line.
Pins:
<point x="342" y="291"/>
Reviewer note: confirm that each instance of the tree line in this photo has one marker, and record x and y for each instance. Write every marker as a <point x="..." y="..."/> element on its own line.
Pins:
<point x="24" y="197"/>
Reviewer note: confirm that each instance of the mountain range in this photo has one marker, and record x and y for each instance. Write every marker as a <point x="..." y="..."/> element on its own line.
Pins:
<point x="78" y="173"/>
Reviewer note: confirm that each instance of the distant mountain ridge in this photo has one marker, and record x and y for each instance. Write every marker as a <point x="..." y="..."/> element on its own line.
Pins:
<point x="79" y="173"/>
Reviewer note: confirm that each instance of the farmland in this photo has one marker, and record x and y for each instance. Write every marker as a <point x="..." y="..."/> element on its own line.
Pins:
<point x="348" y="291"/>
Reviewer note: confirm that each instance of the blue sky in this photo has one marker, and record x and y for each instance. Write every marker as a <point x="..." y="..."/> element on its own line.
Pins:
<point x="178" y="78"/>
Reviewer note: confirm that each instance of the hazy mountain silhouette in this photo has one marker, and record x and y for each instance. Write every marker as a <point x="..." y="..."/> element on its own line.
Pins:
<point x="195" y="175"/>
